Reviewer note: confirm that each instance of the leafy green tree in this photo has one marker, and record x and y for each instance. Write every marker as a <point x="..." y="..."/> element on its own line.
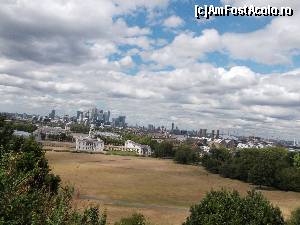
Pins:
<point x="60" y="137"/>
<point x="164" y="149"/>
<point x="267" y="164"/>
<point x="24" y="126"/>
<point x="216" y="159"/>
<point x="262" y="173"/>
<point x="272" y="167"/>
<point x="288" y="179"/>
<point x="135" y="219"/>
<point x="229" y="208"/>
<point x="79" y="128"/>
<point x="6" y="132"/>
<point x="185" y="155"/>
<point x="296" y="160"/>
<point x="230" y="169"/>
<point x="244" y="160"/>
<point x="260" y="211"/>
<point x="92" y="216"/>
<point x="112" y="141"/>
<point x="29" y="193"/>
<point x="295" y="218"/>
<point x="290" y="158"/>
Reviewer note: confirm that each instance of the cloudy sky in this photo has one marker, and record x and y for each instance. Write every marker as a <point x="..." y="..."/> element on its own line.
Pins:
<point x="154" y="62"/>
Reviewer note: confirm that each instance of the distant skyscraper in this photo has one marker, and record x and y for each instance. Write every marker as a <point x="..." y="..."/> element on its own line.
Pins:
<point x="119" y="122"/>
<point x="151" y="127"/>
<point x="78" y="115"/>
<point x="100" y="116"/>
<point x="213" y="134"/>
<point x="218" y="134"/>
<point x="122" y="121"/>
<point x="87" y="115"/>
<point x="204" y="132"/>
<point x="173" y="125"/>
<point x="81" y="117"/>
<point x="52" y="114"/>
<point x="200" y="133"/>
<point x="106" y="116"/>
<point x="94" y="115"/>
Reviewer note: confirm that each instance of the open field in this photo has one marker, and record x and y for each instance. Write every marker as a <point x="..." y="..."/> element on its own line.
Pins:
<point x="160" y="189"/>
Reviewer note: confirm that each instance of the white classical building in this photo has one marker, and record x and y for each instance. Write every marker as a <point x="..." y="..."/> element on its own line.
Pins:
<point x="144" y="150"/>
<point x="89" y="144"/>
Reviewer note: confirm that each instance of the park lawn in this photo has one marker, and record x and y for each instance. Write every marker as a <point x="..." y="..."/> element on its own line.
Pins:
<point x="121" y="153"/>
<point x="160" y="189"/>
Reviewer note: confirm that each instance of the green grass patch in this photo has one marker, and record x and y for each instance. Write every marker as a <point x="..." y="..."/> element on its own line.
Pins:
<point x="121" y="153"/>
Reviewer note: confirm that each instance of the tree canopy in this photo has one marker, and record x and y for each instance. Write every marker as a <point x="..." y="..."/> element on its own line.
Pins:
<point x="229" y="208"/>
<point x="274" y="167"/>
<point x="29" y="192"/>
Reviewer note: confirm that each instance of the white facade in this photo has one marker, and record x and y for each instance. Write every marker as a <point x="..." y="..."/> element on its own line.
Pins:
<point x="138" y="148"/>
<point x="89" y="144"/>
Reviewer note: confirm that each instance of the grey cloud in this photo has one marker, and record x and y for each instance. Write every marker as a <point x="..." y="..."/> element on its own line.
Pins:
<point x="51" y="32"/>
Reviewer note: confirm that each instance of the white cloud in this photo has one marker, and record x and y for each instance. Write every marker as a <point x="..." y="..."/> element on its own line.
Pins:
<point x="173" y="22"/>
<point x="275" y="44"/>
<point x="186" y="48"/>
<point x="127" y="61"/>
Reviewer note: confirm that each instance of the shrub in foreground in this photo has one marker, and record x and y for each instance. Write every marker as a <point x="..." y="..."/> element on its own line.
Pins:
<point x="229" y="208"/>
<point x="295" y="218"/>
<point x="135" y="219"/>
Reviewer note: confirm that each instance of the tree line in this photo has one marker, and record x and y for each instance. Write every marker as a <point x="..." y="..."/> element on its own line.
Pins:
<point x="273" y="167"/>
<point x="62" y="137"/>
<point x="23" y="126"/>
<point x="79" y="128"/>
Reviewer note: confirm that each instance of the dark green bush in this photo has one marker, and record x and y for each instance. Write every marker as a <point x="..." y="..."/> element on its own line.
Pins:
<point x="135" y="219"/>
<point x="295" y="218"/>
<point x="185" y="155"/>
<point x="229" y="208"/>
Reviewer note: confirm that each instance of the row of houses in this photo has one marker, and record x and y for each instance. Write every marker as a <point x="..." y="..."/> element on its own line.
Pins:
<point x="205" y="144"/>
<point x="96" y="145"/>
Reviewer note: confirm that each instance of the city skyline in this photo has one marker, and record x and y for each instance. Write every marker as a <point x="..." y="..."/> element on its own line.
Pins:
<point x="153" y="62"/>
<point x="168" y="126"/>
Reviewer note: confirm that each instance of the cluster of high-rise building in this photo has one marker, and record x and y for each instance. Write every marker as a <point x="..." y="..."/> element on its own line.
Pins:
<point x="119" y="121"/>
<point x="93" y="116"/>
<point x="212" y="135"/>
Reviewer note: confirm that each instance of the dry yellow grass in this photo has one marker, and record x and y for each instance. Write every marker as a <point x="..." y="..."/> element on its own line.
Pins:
<point x="160" y="189"/>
